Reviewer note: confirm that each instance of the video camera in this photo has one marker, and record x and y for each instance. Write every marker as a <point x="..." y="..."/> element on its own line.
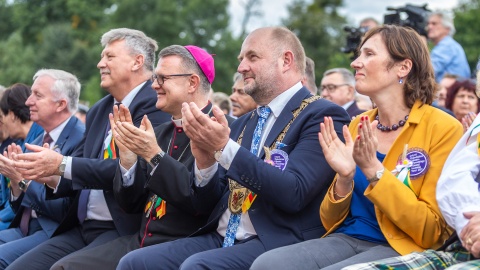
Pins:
<point x="416" y="18"/>
<point x="354" y="37"/>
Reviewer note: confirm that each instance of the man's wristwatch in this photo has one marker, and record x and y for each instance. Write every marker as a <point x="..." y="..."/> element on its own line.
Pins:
<point x="217" y="154"/>
<point x="61" y="167"/>
<point x="377" y="176"/>
<point x="22" y="185"/>
<point x="156" y="159"/>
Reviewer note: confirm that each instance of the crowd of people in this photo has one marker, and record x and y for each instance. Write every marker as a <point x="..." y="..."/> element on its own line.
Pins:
<point x="373" y="169"/>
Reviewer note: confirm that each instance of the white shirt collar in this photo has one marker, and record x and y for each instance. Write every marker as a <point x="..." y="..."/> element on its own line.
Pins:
<point x="279" y="102"/>
<point x="127" y="100"/>
<point x="55" y="133"/>
<point x="177" y="122"/>
<point x="348" y="104"/>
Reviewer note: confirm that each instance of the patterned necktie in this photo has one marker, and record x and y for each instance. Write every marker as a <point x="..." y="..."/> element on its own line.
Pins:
<point x="234" y="219"/>
<point x="27" y="211"/>
<point x="47" y="139"/>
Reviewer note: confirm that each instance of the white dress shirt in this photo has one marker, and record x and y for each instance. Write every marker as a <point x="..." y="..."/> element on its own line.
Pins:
<point x="457" y="190"/>
<point x="97" y="208"/>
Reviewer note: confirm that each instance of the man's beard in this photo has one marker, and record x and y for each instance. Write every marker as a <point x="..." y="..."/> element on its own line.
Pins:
<point x="259" y="90"/>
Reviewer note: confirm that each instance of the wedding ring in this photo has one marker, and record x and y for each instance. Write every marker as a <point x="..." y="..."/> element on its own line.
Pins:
<point x="469" y="242"/>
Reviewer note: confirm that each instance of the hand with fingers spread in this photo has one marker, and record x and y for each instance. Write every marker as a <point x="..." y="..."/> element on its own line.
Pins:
<point x="467" y="120"/>
<point x="39" y="162"/>
<point x="470" y="234"/>
<point x="8" y="168"/>
<point x="206" y="134"/>
<point x="337" y="153"/>
<point x="130" y="140"/>
<point x="365" y="147"/>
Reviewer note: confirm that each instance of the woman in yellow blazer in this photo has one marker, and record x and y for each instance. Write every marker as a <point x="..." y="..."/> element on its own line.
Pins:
<point x="382" y="202"/>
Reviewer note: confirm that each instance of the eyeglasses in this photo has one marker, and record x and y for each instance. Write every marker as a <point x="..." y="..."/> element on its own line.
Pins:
<point x="239" y="91"/>
<point x="161" y="78"/>
<point x="331" y="87"/>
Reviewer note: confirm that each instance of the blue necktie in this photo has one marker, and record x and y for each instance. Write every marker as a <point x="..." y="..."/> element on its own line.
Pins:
<point x="234" y="220"/>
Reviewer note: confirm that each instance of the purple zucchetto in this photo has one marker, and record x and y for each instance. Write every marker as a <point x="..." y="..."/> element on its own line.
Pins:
<point x="204" y="60"/>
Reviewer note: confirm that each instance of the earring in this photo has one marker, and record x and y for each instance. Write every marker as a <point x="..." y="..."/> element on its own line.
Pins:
<point x="400" y="81"/>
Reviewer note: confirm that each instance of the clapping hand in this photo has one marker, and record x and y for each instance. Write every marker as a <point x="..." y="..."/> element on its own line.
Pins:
<point x="132" y="141"/>
<point x="470" y="234"/>
<point x="337" y="153"/>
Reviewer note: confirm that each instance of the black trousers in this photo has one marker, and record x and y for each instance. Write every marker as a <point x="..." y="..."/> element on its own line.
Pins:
<point x="103" y="257"/>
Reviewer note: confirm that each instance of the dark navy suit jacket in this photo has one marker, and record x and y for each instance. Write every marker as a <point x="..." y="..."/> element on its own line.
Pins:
<point x="50" y="212"/>
<point x="353" y="110"/>
<point x="89" y="171"/>
<point x="286" y="208"/>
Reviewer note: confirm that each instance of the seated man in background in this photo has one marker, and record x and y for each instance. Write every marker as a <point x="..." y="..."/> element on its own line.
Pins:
<point x="338" y="86"/>
<point x="242" y="102"/>
<point x="222" y="101"/>
<point x="81" y="113"/>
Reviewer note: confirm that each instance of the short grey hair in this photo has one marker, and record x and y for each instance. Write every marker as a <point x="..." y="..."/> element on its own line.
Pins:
<point x="347" y="75"/>
<point x="369" y="19"/>
<point x="66" y="86"/>
<point x="237" y="76"/>
<point x="189" y="64"/>
<point x="136" y="41"/>
<point x="447" y="21"/>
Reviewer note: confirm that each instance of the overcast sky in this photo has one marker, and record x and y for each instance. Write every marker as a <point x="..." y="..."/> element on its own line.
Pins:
<point x="354" y="10"/>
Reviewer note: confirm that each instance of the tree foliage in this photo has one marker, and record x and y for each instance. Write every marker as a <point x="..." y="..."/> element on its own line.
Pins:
<point x="184" y="22"/>
<point x="65" y="34"/>
<point x="467" y="23"/>
<point x="320" y="29"/>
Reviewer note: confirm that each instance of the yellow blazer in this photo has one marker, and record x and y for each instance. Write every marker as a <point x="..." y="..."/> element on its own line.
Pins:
<point x="408" y="221"/>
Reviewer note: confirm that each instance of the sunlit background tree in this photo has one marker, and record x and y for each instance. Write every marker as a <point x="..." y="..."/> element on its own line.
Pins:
<point x="65" y="34"/>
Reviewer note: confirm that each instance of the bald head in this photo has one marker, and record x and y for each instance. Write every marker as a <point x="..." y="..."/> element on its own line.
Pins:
<point x="272" y="60"/>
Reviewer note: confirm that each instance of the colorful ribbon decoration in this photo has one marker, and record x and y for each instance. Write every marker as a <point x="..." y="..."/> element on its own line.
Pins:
<point x="403" y="170"/>
<point x="109" y="147"/>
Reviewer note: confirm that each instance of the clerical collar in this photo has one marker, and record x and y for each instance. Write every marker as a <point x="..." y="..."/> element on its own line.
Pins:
<point x="177" y="122"/>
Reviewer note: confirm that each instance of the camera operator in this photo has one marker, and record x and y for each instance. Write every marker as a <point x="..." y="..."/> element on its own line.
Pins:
<point x="355" y="35"/>
<point x="368" y="23"/>
<point x="448" y="55"/>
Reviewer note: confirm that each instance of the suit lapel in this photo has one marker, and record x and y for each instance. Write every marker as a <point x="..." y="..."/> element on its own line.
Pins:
<point x="285" y="116"/>
<point x="66" y="133"/>
<point x="38" y="141"/>
<point x="249" y="129"/>
<point x="98" y="146"/>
